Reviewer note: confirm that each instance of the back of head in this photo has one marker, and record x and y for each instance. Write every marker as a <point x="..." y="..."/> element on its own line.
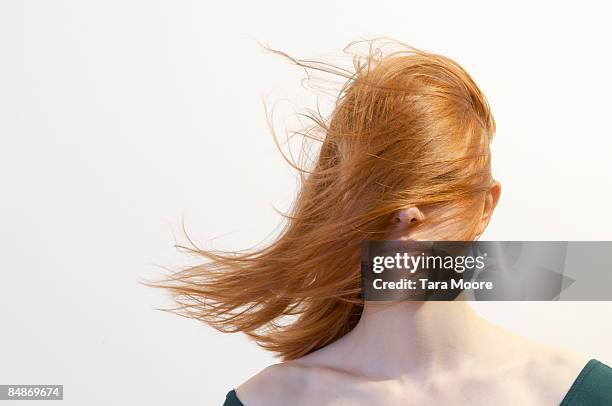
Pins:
<point x="409" y="128"/>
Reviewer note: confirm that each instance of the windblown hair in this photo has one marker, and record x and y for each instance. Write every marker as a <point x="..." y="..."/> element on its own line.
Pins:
<point x="409" y="128"/>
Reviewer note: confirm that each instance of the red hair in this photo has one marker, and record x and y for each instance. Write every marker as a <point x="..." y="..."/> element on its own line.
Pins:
<point x="409" y="128"/>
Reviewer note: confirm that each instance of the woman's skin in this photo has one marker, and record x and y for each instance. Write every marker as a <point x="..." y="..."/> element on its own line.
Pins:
<point x="421" y="353"/>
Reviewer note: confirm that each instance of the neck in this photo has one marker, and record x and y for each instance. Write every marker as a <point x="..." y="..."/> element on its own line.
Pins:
<point x="414" y="338"/>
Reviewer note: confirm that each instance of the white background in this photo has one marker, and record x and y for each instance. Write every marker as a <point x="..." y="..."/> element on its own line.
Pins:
<point x="120" y="118"/>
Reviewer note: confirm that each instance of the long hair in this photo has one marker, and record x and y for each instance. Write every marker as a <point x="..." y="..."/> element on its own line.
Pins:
<point x="408" y="128"/>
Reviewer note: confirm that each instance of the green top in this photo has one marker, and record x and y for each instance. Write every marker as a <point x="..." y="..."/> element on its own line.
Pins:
<point x="592" y="387"/>
<point x="232" y="400"/>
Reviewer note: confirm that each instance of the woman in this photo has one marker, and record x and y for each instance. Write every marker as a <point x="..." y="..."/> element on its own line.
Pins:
<point x="404" y="155"/>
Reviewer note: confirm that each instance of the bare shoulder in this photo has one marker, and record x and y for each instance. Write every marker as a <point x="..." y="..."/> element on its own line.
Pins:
<point x="293" y="381"/>
<point x="278" y="384"/>
<point x="553" y="371"/>
<point x="557" y="362"/>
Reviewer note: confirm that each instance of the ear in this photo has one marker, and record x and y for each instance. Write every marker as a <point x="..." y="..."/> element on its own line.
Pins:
<point x="409" y="215"/>
<point x="491" y="199"/>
